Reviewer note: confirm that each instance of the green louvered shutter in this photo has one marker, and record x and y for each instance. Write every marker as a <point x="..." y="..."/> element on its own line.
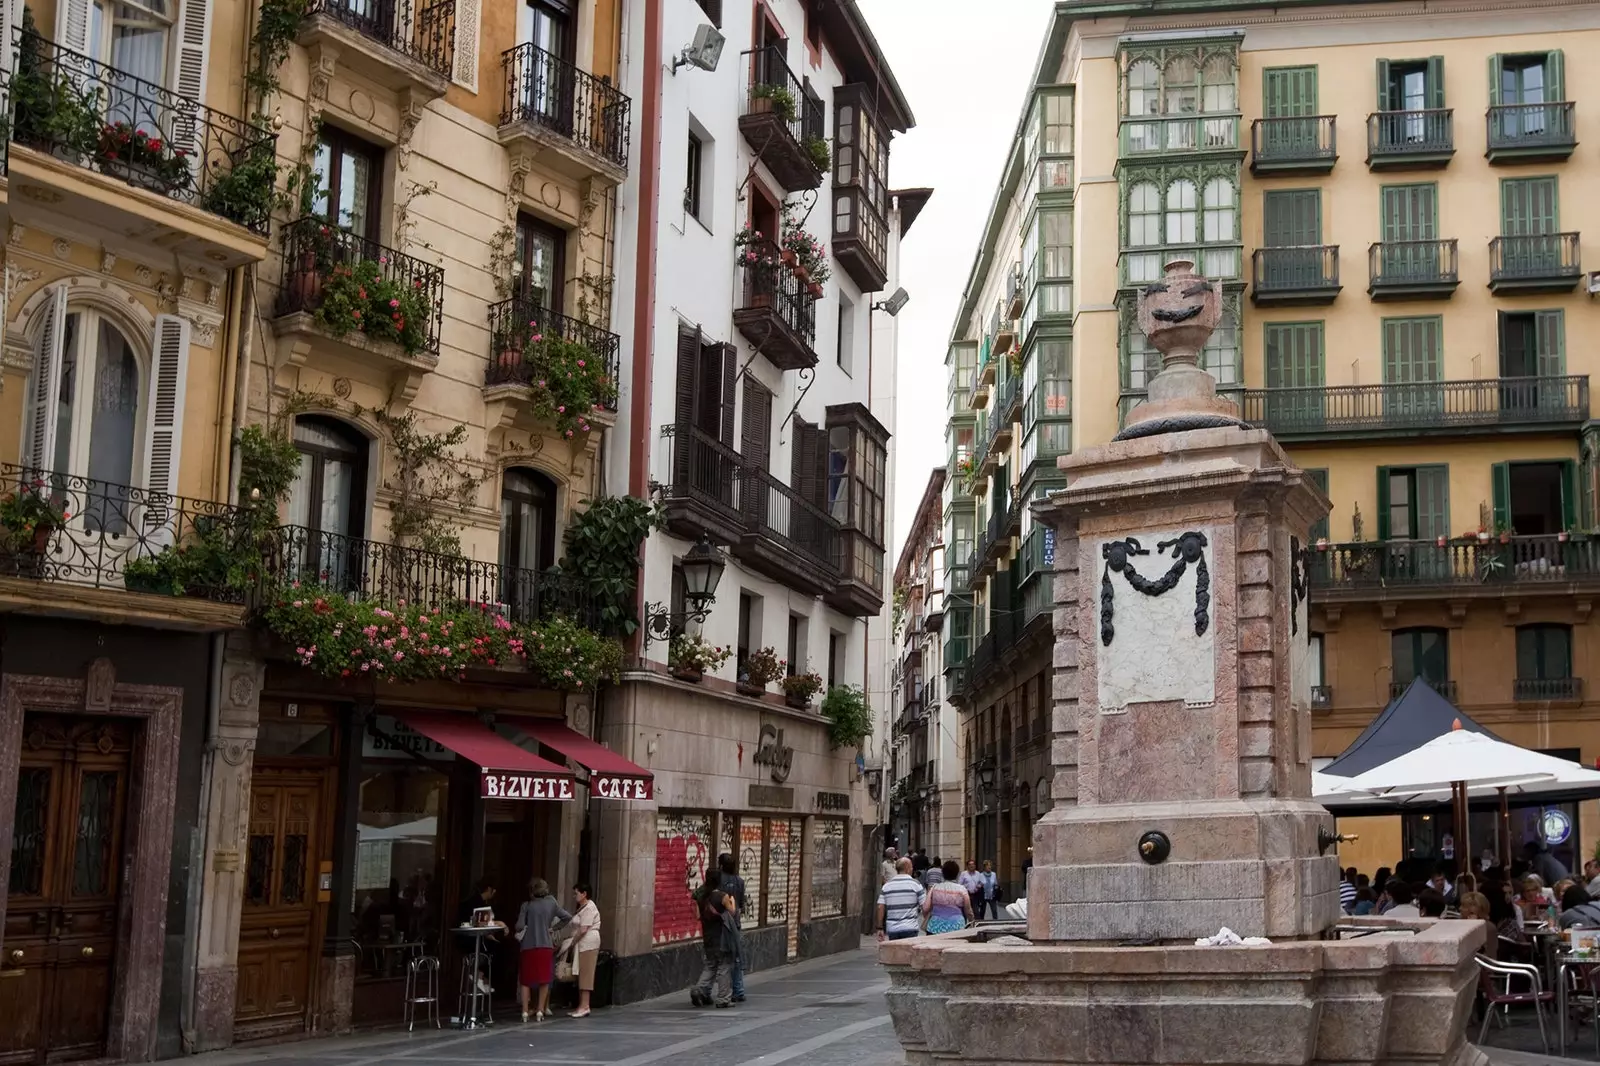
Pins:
<point x="1555" y="77"/>
<point x="1496" y="73"/>
<point x="1435" y="83"/>
<point x="1384" y="103"/>
<point x="1569" y="494"/>
<point x="1433" y="502"/>
<point x="1410" y="232"/>
<point x="1384" y="476"/>
<point x="1294" y="361"/>
<point x="1289" y="96"/>
<point x="1319" y="478"/>
<point x="1500" y="483"/>
<point x="1550" y="341"/>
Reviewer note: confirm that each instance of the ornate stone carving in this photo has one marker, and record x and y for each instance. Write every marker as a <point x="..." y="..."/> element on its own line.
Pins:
<point x="16" y="278"/>
<point x="144" y="275"/>
<point x="1188" y="549"/>
<point x="412" y="107"/>
<point x="98" y="684"/>
<point x="61" y="247"/>
<point x="242" y="690"/>
<point x="324" y="61"/>
<point x="16" y="233"/>
<point x="108" y="261"/>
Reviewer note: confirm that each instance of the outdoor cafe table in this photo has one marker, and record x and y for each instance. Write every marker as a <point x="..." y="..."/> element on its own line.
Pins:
<point x="1580" y="968"/>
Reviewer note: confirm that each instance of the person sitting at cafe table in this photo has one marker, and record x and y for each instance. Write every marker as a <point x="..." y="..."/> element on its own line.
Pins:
<point x="481" y="899"/>
<point x="1401" y="900"/>
<point x="1431" y="903"/>
<point x="1579" y="909"/>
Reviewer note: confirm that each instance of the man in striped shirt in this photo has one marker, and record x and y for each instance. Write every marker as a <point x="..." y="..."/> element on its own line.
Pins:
<point x="1347" y="890"/>
<point x="900" y="904"/>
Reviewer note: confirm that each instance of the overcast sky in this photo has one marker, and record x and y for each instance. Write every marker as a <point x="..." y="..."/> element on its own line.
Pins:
<point x="965" y="78"/>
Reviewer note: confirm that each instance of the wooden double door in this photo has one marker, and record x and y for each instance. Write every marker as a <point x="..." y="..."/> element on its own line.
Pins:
<point x="57" y="971"/>
<point x="280" y="927"/>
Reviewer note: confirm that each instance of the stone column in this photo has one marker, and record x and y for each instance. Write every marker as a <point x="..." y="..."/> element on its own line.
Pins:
<point x="226" y="765"/>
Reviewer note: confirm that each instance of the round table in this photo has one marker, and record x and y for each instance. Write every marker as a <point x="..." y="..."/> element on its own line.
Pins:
<point x="478" y="1010"/>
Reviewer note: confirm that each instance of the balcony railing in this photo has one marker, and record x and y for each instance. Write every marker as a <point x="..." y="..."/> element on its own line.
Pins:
<point x="1412" y="267"/>
<point x="515" y="322"/>
<point x="1304" y="274"/>
<point x="1297" y="144"/>
<point x="778" y="307"/>
<point x="317" y="254"/>
<point x="427" y="36"/>
<point x="1520" y="131"/>
<point x="546" y="91"/>
<point x="1396" y="138"/>
<point x="1427" y="406"/>
<point x="782" y="122"/>
<point x="373" y="570"/>
<point x="1525" y="561"/>
<point x="705" y="469"/>
<point x="102" y="119"/>
<point x="1534" y="261"/>
<point x="109" y="527"/>
<point x="1547" y="689"/>
<point x="1447" y="689"/>
<point x="1013" y="301"/>
<point x="1148" y="135"/>
<point x="776" y="511"/>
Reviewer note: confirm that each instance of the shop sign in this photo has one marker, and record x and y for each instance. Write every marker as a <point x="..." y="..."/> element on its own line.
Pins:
<point x="772" y="796"/>
<point x="499" y="784"/>
<point x="1049" y="547"/>
<point x="388" y="738"/>
<point x="773" y="753"/>
<point x="606" y="786"/>
<point x="1555" y="825"/>
<point x="833" y="801"/>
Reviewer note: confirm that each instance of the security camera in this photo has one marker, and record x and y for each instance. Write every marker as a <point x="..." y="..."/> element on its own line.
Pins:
<point x="894" y="303"/>
<point x="705" y="52"/>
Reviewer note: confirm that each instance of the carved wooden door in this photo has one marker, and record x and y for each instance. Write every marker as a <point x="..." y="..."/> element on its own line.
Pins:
<point x="56" y="975"/>
<point x="278" y="927"/>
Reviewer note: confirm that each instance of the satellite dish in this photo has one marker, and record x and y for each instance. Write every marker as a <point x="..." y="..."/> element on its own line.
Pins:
<point x="705" y="52"/>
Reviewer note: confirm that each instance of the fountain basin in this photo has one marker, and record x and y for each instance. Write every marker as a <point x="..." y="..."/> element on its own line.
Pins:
<point x="981" y="996"/>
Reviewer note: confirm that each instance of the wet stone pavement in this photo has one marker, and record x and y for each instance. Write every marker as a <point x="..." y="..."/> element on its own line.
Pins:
<point x="823" y="1012"/>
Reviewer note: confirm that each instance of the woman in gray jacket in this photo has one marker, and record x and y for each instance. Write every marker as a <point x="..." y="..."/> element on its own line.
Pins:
<point x="536" y="963"/>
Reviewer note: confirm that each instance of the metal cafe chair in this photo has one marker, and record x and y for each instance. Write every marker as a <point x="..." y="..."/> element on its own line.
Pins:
<point x="1490" y="970"/>
<point x="422" y="991"/>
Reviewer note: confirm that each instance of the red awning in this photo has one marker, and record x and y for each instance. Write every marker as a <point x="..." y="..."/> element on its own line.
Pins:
<point x="509" y="772"/>
<point x="610" y="775"/>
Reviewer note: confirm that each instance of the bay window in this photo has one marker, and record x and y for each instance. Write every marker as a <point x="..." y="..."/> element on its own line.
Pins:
<point x="857" y="461"/>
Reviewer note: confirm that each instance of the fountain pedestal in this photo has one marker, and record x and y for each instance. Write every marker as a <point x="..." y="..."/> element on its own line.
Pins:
<point x="1181" y="745"/>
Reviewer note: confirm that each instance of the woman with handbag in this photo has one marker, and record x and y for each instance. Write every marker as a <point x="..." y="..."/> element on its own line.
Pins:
<point x="540" y="912"/>
<point x="583" y="945"/>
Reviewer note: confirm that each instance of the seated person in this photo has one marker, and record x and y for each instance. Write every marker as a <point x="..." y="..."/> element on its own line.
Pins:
<point x="1431" y="903"/>
<point x="1401" y="897"/>
<point x="1578" y="909"/>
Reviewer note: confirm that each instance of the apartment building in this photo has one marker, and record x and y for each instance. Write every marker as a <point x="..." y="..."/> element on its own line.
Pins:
<point x="757" y="408"/>
<point x="1380" y="189"/>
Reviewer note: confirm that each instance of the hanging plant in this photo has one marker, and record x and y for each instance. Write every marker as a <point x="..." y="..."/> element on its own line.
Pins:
<point x="849" y="718"/>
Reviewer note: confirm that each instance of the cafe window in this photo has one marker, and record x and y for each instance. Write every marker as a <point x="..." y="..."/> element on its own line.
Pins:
<point x="398" y="875"/>
<point x="827" y="868"/>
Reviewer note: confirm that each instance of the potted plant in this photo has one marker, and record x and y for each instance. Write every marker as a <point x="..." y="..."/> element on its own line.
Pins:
<point x="1483" y="536"/>
<point x="141" y="160"/>
<point x="1505" y="533"/>
<point x="761" y="261"/>
<point x="154" y="575"/>
<point x="814" y="287"/>
<point x="774" y="98"/>
<point x="799" y="688"/>
<point x="245" y="191"/>
<point x="1440" y="540"/>
<point x="761" y="668"/>
<point x="28" y="519"/>
<point x="690" y="656"/>
<point x="849" y="717"/>
<point x="817" y="149"/>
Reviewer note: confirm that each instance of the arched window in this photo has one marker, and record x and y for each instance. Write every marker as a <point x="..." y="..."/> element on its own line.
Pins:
<point x="1218" y="78"/>
<point x="1221" y="215"/>
<point x="1181" y="88"/>
<point x="97" y="407"/>
<point x="1144" y="215"/>
<point x="527" y="520"/>
<point x="1182" y="211"/>
<point x="1144" y="88"/>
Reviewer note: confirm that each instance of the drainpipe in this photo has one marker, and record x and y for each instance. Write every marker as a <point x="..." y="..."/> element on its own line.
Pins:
<point x="227" y="396"/>
<point x="241" y="384"/>
<point x="644" y="303"/>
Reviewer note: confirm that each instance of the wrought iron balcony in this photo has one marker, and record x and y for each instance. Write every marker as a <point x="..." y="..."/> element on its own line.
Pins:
<point x="1425" y="408"/>
<point x="105" y="536"/>
<point x="555" y="104"/>
<point x="1535" y="262"/>
<point x="1295" y="276"/>
<point x="1412" y="270"/>
<point x="1400" y="140"/>
<point x="1447" y="689"/>
<point x="1302" y="144"/>
<point x="1547" y="689"/>
<point x="1529" y="564"/>
<point x="781" y="122"/>
<point x="414" y="33"/>
<point x="317" y="255"/>
<point x="786" y="536"/>
<point x="97" y="117"/>
<point x="1014" y="291"/>
<point x="515" y="322"/>
<point x="373" y="570"/>
<point x="1531" y="133"/>
<point x="704" y="493"/>
<point x="778" y="313"/>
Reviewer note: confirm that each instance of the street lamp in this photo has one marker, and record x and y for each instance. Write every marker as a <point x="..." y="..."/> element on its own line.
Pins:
<point x="702" y="570"/>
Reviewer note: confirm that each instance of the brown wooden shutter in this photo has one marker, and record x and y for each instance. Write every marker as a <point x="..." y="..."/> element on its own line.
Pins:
<point x="729" y="359"/>
<point x="756" y="440"/>
<point x="683" y="417"/>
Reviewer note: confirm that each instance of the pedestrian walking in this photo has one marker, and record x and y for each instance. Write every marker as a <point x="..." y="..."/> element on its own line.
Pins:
<point x="536" y="960"/>
<point x="991" y="892"/>
<point x="886" y="867"/>
<point x="900" y="904"/>
<point x="584" y="944"/>
<point x="972" y="881"/>
<point x="947" y="907"/>
<point x="732" y="885"/>
<point x="719" y="943"/>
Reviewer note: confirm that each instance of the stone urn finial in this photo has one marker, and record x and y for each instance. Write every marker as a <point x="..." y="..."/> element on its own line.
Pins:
<point x="1178" y="314"/>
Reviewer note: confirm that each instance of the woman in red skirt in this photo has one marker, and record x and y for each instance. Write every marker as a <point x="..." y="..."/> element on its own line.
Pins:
<point x="536" y="965"/>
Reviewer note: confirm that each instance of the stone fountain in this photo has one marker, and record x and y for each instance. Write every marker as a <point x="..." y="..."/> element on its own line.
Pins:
<point x="1181" y="744"/>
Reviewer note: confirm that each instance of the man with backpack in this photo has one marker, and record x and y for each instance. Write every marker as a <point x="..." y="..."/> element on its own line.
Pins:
<point x="732" y="885"/>
<point x="719" y="940"/>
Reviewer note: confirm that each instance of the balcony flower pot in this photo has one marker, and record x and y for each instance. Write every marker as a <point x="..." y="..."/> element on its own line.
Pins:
<point x="686" y="673"/>
<point x="799" y="703"/>
<point x="815" y="289"/>
<point x="510" y="356"/>
<point x="801" y="274"/>
<point x="1563" y="537"/>
<point x="760" y="299"/>
<point x="789" y="258"/>
<point x="1483" y="536"/>
<point x="745" y="688"/>
<point x="307" y="282"/>
<point x="1505" y="538"/>
<point x="1440" y="541"/>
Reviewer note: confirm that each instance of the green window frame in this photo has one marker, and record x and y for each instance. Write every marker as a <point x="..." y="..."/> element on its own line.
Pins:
<point x="1411" y="84"/>
<point x="1413" y="502"/>
<point x="1320" y="528"/>
<point x="1191" y="210"/>
<point x="1050" y="125"/>
<point x="1294" y="355"/>
<point x="1424" y="652"/>
<point x="1500" y="475"/>
<point x="1221" y="356"/>
<point x="1544" y="652"/>
<point x="1291" y="218"/>
<point x="1532" y="343"/>
<point x="1408" y="227"/>
<point x="1413" y="365"/>
<point x="1530" y="206"/>
<point x="1289" y="92"/>
<point x="1510" y="80"/>
<point x="1047" y="408"/>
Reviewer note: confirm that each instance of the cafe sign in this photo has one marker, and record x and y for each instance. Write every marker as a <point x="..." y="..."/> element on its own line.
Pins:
<point x="511" y="785"/>
<point x="612" y="787"/>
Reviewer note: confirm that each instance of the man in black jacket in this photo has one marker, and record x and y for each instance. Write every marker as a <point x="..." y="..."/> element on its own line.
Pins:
<point x="719" y="938"/>
<point x="733" y="885"/>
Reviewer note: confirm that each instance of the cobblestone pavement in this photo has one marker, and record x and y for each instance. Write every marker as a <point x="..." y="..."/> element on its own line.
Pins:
<point x="824" y="1012"/>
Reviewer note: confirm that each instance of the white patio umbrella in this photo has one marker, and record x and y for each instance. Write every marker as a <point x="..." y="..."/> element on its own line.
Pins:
<point x="1459" y="758"/>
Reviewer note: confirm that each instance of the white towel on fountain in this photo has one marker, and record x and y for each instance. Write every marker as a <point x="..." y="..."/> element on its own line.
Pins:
<point x="1018" y="910"/>
<point x="1228" y="938"/>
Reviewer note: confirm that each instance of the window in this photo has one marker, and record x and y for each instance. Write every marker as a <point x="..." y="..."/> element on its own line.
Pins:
<point x="1144" y="88"/>
<point x="1413" y="502"/>
<point x="1319" y="528"/>
<point x="1289" y="92"/>
<point x="1175" y="213"/>
<point x="1182" y="211"/>
<point x="691" y="189"/>
<point x="847" y="333"/>
<point x="1411" y="84"/>
<point x="547" y="25"/>
<point x="1293" y="218"/>
<point x="963" y="362"/>
<point x="1294" y="361"/>
<point x="98" y="404"/>
<point x="527" y="533"/>
<point x="1532" y="344"/>
<point x="131" y="35"/>
<point x="1420" y="653"/>
<point x="713" y="10"/>
<point x="1544" y="652"/>
<point x="798" y="662"/>
<point x="1047" y="391"/>
<point x="352" y="176"/>
<point x="856" y="458"/>
<point x="328" y="501"/>
<point x="705" y="387"/>
<point x="1531" y="78"/>
<point x="1528" y="207"/>
<point x="1315" y="663"/>
<point x="1409" y="229"/>
<point x="1537" y="499"/>
<point x="748" y="639"/>
<point x="1051" y="126"/>
<point x="536" y="267"/>
<point x="1220" y="356"/>
<point x="1412" y="359"/>
<point x="1168" y="92"/>
<point x="836" y="658"/>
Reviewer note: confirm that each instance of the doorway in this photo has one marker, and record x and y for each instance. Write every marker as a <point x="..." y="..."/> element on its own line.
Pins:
<point x="517" y="847"/>
<point x="65" y="887"/>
